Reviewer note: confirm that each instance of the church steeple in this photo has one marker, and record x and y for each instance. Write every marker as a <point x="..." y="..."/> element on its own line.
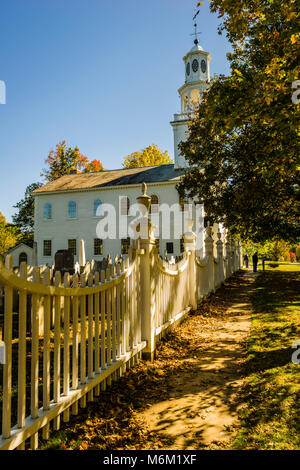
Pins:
<point x="197" y="78"/>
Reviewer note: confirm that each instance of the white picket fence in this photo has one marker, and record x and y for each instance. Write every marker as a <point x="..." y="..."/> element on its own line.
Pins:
<point x="95" y="327"/>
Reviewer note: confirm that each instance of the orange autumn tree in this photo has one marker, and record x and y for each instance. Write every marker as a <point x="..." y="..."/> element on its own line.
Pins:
<point x="66" y="160"/>
<point x="92" y="166"/>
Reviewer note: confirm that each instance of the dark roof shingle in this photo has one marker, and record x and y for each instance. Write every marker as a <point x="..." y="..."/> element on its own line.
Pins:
<point x="127" y="176"/>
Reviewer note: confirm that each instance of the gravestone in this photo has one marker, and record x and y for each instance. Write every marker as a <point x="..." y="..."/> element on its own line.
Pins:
<point x="98" y="266"/>
<point x="64" y="262"/>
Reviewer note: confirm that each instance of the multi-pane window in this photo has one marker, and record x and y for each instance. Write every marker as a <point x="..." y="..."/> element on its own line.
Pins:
<point x="47" y="211"/>
<point x="170" y="247"/>
<point x="97" y="208"/>
<point x="98" y="246"/>
<point x="125" y="243"/>
<point x="154" y="204"/>
<point x="47" y="248"/>
<point x="181" y="245"/>
<point x="72" y="246"/>
<point x="124" y="205"/>
<point x="72" y="210"/>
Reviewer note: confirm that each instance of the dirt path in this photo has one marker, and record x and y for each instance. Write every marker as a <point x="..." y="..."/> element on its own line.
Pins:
<point x="203" y="401"/>
<point x="189" y="397"/>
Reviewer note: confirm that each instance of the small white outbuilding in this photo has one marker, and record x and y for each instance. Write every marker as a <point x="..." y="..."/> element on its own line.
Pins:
<point x="19" y="253"/>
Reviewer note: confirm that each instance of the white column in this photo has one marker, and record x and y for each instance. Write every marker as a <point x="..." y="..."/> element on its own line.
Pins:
<point x="147" y="278"/>
<point x="220" y="258"/>
<point x="209" y="251"/>
<point x="190" y="247"/>
<point x="147" y="290"/>
<point x="228" y="257"/>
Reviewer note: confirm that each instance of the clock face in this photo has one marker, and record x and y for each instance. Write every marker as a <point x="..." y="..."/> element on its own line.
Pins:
<point x="203" y="65"/>
<point x="195" y="65"/>
<point x="188" y="68"/>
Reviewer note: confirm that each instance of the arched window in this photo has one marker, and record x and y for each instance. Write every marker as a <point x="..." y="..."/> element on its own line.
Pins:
<point x="72" y="210"/>
<point x="125" y="205"/>
<point x="47" y="211"/>
<point x="154" y="204"/>
<point x="22" y="258"/>
<point x="97" y="208"/>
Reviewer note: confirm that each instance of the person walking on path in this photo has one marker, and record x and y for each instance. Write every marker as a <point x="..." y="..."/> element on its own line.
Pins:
<point x="255" y="261"/>
<point x="246" y="260"/>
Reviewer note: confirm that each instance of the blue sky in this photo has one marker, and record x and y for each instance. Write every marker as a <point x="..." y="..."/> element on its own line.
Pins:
<point x="102" y="75"/>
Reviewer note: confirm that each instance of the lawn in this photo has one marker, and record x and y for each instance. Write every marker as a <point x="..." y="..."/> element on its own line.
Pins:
<point x="272" y="389"/>
<point x="281" y="266"/>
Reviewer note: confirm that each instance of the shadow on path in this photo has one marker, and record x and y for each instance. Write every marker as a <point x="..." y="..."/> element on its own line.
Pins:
<point x="201" y="407"/>
<point x="189" y="397"/>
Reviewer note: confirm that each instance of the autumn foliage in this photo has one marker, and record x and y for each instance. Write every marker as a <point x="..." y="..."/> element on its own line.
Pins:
<point x="244" y="140"/>
<point x="65" y="160"/>
<point x="149" y="156"/>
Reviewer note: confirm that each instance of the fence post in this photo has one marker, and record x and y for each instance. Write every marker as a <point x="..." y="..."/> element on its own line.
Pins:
<point x="233" y="257"/>
<point x="147" y="281"/>
<point x="209" y="245"/>
<point x="240" y="255"/>
<point x="228" y="257"/>
<point x="219" y="244"/>
<point x="7" y="367"/>
<point x="236" y="253"/>
<point x="190" y="246"/>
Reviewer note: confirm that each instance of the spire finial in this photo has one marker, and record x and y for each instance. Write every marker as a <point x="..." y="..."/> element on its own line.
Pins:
<point x="144" y="189"/>
<point x="196" y="33"/>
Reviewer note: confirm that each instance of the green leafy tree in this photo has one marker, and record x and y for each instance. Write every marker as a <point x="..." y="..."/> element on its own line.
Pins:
<point x="24" y="217"/>
<point x="278" y="250"/>
<point x="149" y="156"/>
<point x="250" y="248"/>
<point x="273" y="249"/>
<point x="243" y="143"/>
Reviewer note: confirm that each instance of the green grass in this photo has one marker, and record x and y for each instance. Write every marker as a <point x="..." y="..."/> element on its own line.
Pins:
<point x="282" y="266"/>
<point x="272" y="390"/>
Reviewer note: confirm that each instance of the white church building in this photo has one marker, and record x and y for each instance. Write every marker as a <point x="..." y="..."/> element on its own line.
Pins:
<point x="74" y="207"/>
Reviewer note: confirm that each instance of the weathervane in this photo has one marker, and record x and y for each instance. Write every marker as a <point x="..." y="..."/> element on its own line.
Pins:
<point x="196" y="33"/>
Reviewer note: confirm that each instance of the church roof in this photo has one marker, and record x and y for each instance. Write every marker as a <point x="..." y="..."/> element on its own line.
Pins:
<point x="127" y="176"/>
<point x="18" y="246"/>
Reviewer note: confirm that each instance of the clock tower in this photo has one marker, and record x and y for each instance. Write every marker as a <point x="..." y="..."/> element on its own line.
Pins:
<point x="197" y="78"/>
